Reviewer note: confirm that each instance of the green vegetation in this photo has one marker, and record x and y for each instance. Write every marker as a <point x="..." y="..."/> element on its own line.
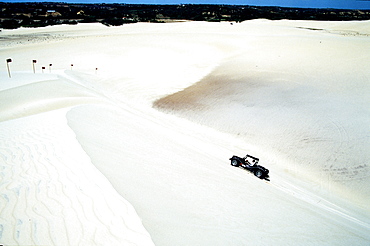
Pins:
<point x="14" y="15"/>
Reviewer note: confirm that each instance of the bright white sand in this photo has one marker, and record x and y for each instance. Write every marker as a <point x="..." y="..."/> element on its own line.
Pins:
<point x="86" y="160"/>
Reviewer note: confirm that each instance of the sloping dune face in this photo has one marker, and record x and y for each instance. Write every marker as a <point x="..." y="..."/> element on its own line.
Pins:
<point x="86" y="159"/>
<point x="51" y="194"/>
<point x="300" y="93"/>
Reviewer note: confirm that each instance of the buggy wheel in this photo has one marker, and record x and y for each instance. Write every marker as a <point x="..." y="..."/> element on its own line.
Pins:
<point x="234" y="163"/>
<point x="258" y="173"/>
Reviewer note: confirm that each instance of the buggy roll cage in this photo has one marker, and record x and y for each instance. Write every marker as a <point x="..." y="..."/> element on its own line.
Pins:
<point x="252" y="157"/>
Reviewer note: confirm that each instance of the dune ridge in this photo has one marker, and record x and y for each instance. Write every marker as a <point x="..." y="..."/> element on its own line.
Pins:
<point x="47" y="96"/>
<point x="52" y="195"/>
<point x="85" y="158"/>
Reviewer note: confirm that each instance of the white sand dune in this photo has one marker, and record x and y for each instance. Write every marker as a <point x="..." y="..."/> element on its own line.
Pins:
<point x="86" y="160"/>
<point x="52" y="195"/>
<point x="304" y="98"/>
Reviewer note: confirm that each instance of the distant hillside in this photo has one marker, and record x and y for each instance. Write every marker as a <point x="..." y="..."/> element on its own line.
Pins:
<point x="14" y="15"/>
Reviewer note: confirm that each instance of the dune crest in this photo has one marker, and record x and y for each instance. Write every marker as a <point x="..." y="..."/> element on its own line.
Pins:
<point x="85" y="158"/>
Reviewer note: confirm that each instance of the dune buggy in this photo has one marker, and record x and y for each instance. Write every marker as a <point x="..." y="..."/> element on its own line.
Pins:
<point x="250" y="163"/>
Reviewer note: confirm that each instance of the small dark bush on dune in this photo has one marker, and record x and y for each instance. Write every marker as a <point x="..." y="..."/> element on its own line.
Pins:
<point x="9" y="24"/>
<point x="117" y="21"/>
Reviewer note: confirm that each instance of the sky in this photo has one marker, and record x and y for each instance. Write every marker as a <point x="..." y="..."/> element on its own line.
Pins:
<point x="338" y="4"/>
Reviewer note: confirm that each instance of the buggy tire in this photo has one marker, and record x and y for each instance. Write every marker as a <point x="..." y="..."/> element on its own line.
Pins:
<point x="258" y="174"/>
<point x="234" y="163"/>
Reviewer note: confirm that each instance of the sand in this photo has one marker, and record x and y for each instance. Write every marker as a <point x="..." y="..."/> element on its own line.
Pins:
<point x="130" y="145"/>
